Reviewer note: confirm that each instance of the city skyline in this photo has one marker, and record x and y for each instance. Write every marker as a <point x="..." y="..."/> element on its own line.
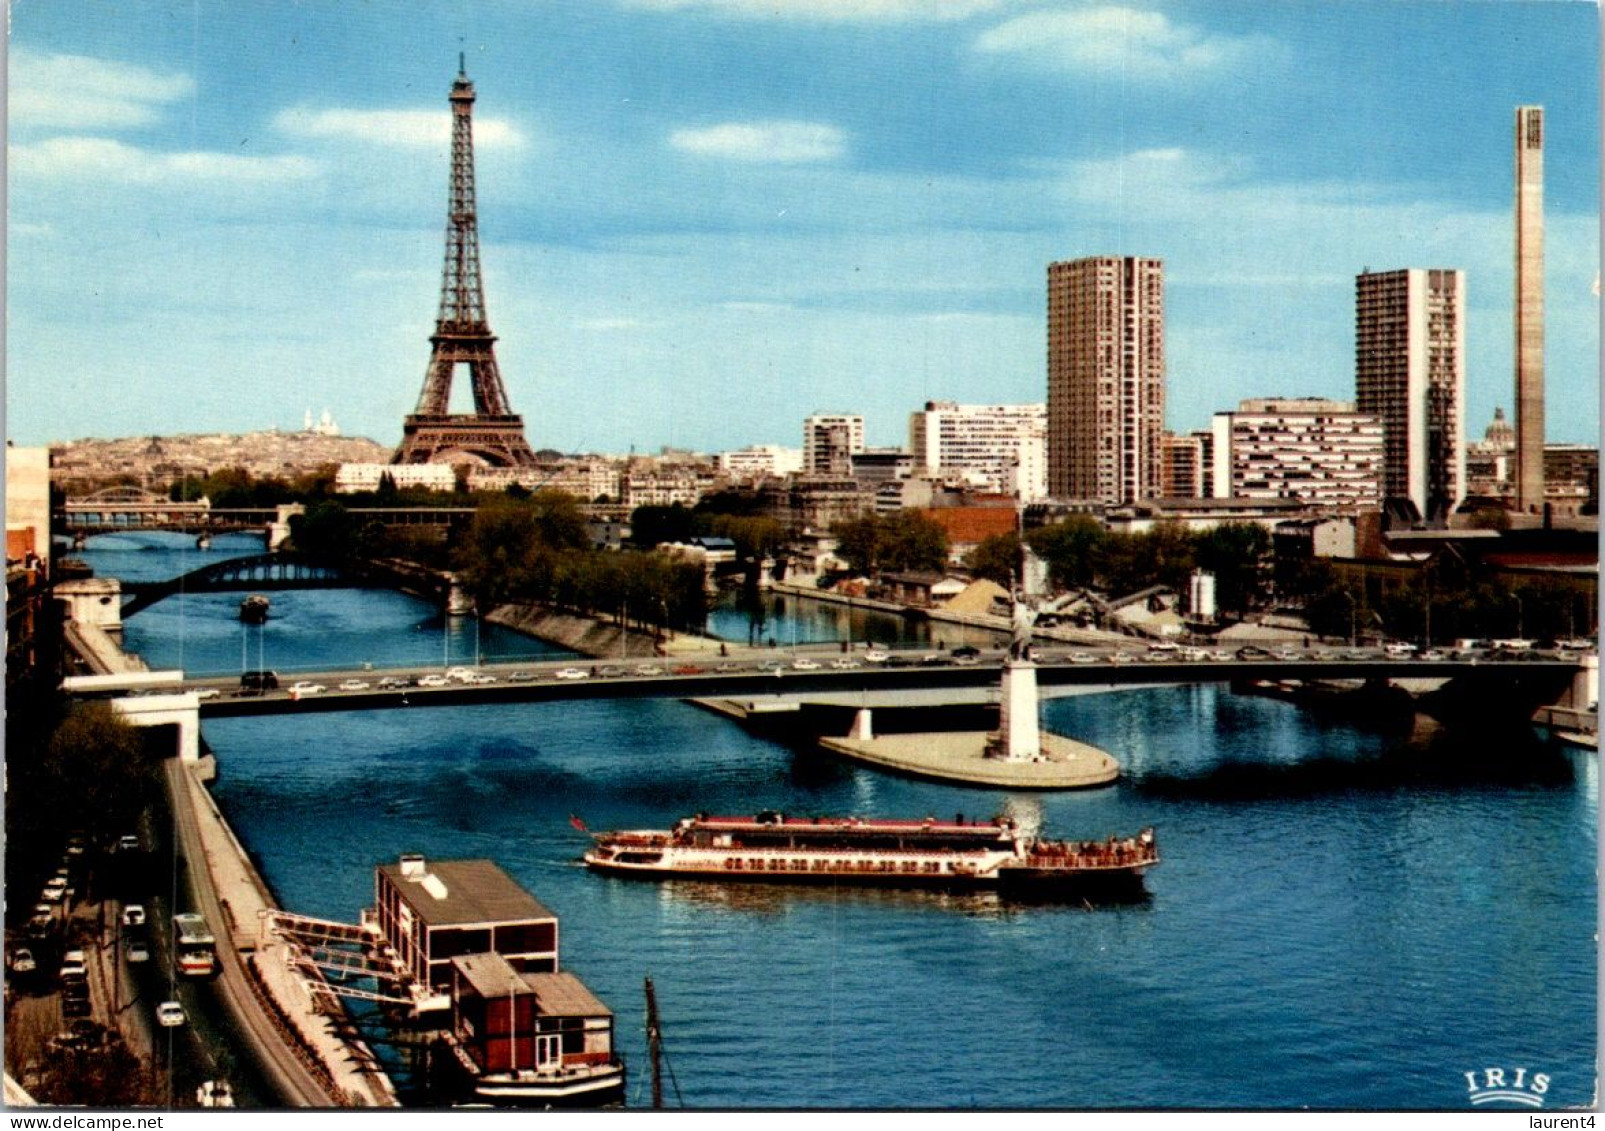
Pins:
<point x="731" y="218"/>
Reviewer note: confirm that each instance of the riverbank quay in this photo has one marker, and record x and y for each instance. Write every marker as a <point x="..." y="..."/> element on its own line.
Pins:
<point x="302" y="1051"/>
<point x="599" y="637"/>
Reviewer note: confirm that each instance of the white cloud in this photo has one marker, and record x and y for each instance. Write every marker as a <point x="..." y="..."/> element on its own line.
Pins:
<point x="408" y="128"/>
<point x="79" y="92"/>
<point x="1144" y="46"/>
<point x="68" y="158"/>
<point x="769" y="142"/>
<point x="830" y="11"/>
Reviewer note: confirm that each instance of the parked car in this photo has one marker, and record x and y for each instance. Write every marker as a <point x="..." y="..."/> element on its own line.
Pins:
<point x="170" y="1014"/>
<point x="571" y="673"/>
<point x="355" y="685"/>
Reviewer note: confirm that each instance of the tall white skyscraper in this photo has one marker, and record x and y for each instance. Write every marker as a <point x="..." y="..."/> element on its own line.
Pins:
<point x="1410" y="346"/>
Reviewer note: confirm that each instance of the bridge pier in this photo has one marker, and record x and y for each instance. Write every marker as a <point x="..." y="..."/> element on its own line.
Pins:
<point x="182" y="710"/>
<point x="278" y="532"/>
<point x="863" y="728"/>
<point x="94" y="601"/>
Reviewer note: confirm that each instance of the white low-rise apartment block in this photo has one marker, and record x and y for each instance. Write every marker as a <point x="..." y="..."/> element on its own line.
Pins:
<point x="1317" y="451"/>
<point x="1002" y="449"/>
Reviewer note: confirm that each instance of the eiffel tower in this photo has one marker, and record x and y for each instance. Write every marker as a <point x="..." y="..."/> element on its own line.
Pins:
<point x="492" y="433"/>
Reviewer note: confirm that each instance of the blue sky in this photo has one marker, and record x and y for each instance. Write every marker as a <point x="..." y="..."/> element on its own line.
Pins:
<point x="703" y="220"/>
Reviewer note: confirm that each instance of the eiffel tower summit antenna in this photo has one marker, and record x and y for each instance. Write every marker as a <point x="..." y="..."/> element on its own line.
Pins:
<point x="492" y="434"/>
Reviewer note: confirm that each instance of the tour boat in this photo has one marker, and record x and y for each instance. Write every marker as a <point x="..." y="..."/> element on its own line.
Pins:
<point x="912" y="853"/>
<point x="254" y="609"/>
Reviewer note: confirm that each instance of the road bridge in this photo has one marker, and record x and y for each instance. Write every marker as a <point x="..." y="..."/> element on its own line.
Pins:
<point x="906" y="679"/>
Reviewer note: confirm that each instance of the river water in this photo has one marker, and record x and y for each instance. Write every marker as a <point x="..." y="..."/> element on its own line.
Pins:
<point x="1345" y="916"/>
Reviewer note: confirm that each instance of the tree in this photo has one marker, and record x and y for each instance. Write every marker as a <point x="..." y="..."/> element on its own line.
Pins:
<point x="495" y="556"/>
<point x="325" y="531"/>
<point x="1238" y="554"/>
<point x="996" y="559"/>
<point x="96" y="771"/>
<point x="858" y="543"/>
<point x="913" y="540"/>
<point x="1071" y="550"/>
<point x="651" y="526"/>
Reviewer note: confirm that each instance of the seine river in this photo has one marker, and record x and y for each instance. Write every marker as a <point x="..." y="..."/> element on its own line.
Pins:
<point x="1344" y="917"/>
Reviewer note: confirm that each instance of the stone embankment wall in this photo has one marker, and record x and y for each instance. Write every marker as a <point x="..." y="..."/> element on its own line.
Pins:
<point x="591" y="636"/>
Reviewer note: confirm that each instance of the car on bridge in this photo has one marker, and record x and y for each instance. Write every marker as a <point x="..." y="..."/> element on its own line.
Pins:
<point x="843" y="664"/>
<point x="1430" y="654"/>
<point x="571" y="673"/>
<point x="966" y="652"/>
<point x="460" y="675"/>
<point x="1082" y="658"/>
<point x="1252" y="652"/>
<point x="133" y="915"/>
<point x="170" y="1014"/>
<point x="306" y="687"/>
<point x="648" y="669"/>
<point x="391" y="682"/>
<point x="207" y="693"/>
<point x="877" y="656"/>
<point x="354" y="685"/>
<point x="431" y="681"/>
<point x="804" y="664"/>
<point x="520" y="676"/>
<point x="608" y="672"/>
<point x="259" y="681"/>
<point x="138" y="951"/>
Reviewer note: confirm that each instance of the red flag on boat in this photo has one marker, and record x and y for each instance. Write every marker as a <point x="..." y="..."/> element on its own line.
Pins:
<point x="577" y="823"/>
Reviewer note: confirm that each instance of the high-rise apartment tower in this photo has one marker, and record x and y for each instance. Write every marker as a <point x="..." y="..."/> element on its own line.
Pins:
<point x="1529" y="308"/>
<point x="1410" y="346"/>
<point x="1106" y="378"/>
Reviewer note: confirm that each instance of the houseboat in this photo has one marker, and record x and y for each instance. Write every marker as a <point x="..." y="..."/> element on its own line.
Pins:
<point x="481" y="954"/>
<point x="911" y="853"/>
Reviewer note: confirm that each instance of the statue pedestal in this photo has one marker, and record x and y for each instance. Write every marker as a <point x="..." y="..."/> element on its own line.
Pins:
<point x="1019" y="737"/>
